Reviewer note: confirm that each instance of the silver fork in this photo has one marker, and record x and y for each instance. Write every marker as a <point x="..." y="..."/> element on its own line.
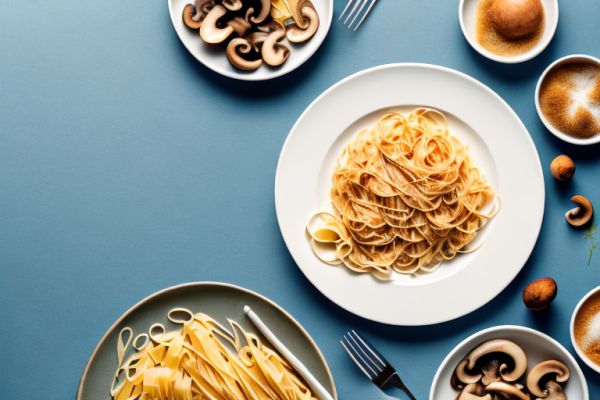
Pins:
<point x="362" y="5"/>
<point x="372" y="363"/>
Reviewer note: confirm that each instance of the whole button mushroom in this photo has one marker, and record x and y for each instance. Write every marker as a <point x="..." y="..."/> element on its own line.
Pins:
<point x="540" y="293"/>
<point x="562" y="168"/>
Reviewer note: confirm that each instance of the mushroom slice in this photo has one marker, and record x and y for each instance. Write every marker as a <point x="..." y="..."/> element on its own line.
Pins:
<point x="582" y="214"/>
<point x="296" y="34"/>
<point x="473" y="391"/>
<point x="543" y="369"/>
<point x="270" y="27"/>
<point x="494" y="346"/>
<point x="491" y="372"/>
<point x="265" y="9"/>
<point x="209" y="31"/>
<point x="237" y="46"/>
<point x="240" y="26"/>
<point x="273" y="52"/>
<point x="194" y="14"/>
<point x="555" y="391"/>
<point x="508" y="389"/>
<point x="232" y="5"/>
<point x="256" y="39"/>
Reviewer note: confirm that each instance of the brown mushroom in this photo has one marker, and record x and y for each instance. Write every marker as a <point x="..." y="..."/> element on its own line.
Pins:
<point x="240" y="26"/>
<point x="209" y="31"/>
<point x="296" y="34"/>
<point x="264" y="12"/>
<point x="562" y="168"/>
<point x="273" y="52"/>
<point x="464" y="368"/>
<point x="241" y="45"/>
<point x="580" y="215"/>
<point x="194" y="14"/>
<point x="540" y="293"/>
<point x="508" y="390"/>
<point x="534" y="378"/>
<point x="232" y="5"/>
<point x="296" y="8"/>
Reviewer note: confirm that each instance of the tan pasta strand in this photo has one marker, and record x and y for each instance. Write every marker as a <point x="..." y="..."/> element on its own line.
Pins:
<point x="406" y="197"/>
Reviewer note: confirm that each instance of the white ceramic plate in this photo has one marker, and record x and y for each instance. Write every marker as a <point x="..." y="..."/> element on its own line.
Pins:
<point x="538" y="348"/>
<point x="214" y="55"/>
<point x="219" y="300"/>
<point x="467" y="11"/>
<point x="500" y="146"/>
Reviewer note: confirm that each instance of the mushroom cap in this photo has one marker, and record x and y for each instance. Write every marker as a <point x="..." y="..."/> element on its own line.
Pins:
<point x="237" y="46"/>
<point x="273" y="52"/>
<point x="508" y="389"/>
<point x="209" y="31"/>
<point x="562" y="168"/>
<point x="194" y="14"/>
<point x="580" y="215"/>
<point x="232" y="5"/>
<point x="264" y="12"/>
<point x="296" y="34"/>
<point x="543" y="369"/>
<point x="494" y="346"/>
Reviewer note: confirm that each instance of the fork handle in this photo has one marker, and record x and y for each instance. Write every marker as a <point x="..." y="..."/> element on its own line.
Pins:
<point x="400" y="385"/>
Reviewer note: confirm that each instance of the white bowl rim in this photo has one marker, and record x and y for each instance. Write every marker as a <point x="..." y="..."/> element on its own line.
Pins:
<point x="580" y="353"/>
<point x="540" y="46"/>
<point x="556" y="132"/>
<point x="459" y="347"/>
<point x="251" y="77"/>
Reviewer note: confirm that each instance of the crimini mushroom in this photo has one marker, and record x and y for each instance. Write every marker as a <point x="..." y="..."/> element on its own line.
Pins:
<point x="560" y="374"/>
<point x="273" y="52"/>
<point x="209" y="31"/>
<point x="581" y="215"/>
<point x="296" y="34"/>
<point x="194" y="14"/>
<point x="508" y="390"/>
<point x="465" y="369"/>
<point x="237" y="46"/>
<point x="562" y="168"/>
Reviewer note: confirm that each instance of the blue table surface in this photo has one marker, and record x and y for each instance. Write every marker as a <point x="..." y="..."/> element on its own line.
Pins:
<point x="126" y="167"/>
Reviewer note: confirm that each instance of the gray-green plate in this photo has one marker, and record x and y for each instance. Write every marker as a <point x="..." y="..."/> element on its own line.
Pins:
<point x="220" y="301"/>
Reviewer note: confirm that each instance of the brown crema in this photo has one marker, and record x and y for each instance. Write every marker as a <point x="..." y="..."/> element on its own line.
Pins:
<point x="587" y="328"/>
<point x="570" y="99"/>
<point x="489" y="38"/>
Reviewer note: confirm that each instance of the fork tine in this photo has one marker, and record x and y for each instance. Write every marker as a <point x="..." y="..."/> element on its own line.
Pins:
<point x="357" y="363"/>
<point x="347" y="5"/>
<point x="372" y="350"/>
<point x="352" y="12"/>
<point x="365" y="353"/>
<point x="358" y="357"/>
<point x="358" y="13"/>
<point x="365" y="15"/>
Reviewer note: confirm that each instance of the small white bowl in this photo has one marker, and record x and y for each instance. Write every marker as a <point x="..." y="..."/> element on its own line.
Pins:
<point x="214" y="56"/>
<point x="467" y="12"/>
<point x="538" y="348"/>
<point x="581" y="58"/>
<point x="585" y="358"/>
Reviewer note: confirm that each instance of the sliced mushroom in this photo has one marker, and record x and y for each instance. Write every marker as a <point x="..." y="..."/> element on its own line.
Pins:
<point x="491" y="372"/>
<point x="543" y="369"/>
<point x="270" y="27"/>
<point x="493" y="346"/>
<point x="273" y="52"/>
<point x="265" y="9"/>
<point x="194" y="14"/>
<point x="232" y="5"/>
<point x="582" y="214"/>
<point x="473" y="391"/>
<point x="209" y="31"/>
<point x="256" y="39"/>
<point x="508" y="389"/>
<point x="249" y="13"/>
<point x="555" y="391"/>
<point x="240" y="26"/>
<point x="455" y="382"/>
<point x="237" y="46"/>
<point x="296" y="34"/>
<point x="297" y="10"/>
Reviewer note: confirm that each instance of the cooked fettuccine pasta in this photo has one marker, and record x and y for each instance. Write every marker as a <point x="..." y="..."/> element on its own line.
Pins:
<point x="203" y="360"/>
<point x="406" y="196"/>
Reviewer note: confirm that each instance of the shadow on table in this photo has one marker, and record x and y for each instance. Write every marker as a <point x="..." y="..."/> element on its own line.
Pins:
<point x="254" y="89"/>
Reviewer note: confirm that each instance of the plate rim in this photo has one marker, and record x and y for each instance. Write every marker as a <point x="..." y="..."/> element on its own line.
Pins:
<point x="451" y="71"/>
<point x="251" y="77"/>
<point x="203" y="283"/>
<point x="525" y="329"/>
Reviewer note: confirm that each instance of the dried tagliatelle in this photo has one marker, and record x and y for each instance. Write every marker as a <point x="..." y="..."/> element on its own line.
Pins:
<point x="202" y="360"/>
<point x="406" y="196"/>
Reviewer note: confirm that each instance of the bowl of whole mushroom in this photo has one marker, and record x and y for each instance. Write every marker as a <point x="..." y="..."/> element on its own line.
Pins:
<point x="251" y="39"/>
<point x="509" y="363"/>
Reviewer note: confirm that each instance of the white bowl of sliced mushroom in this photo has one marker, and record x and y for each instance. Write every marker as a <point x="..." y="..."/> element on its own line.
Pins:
<point x="251" y="39"/>
<point x="509" y="363"/>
